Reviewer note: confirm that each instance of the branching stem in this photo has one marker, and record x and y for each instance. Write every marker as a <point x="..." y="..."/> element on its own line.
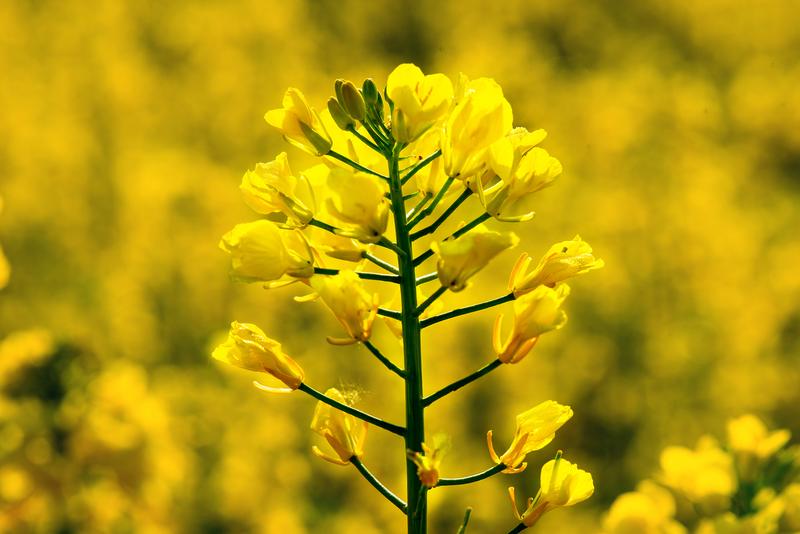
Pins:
<point x="467" y="309"/>
<point x="458" y="384"/>
<point x="391" y="497"/>
<point x="394" y="429"/>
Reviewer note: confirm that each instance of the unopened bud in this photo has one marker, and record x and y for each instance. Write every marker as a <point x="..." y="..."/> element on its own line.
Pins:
<point x="339" y="115"/>
<point x="352" y="101"/>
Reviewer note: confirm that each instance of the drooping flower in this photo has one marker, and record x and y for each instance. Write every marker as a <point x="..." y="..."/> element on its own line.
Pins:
<point x="462" y="257"/>
<point x="248" y="347"/>
<point x="564" y="260"/>
<point x="261" y="252"/>
<point x="430" y="459"/>
<point x="535" y="429"/>
<point x="352" y="305"/>
<point x="419" y="101"/>
<point x="300" y="124"/>
<point x="357" y="199"/>
<point x="535" y="313"/>
<point x="345" y="433"/>
<point x="561" y="484"/>
<point x="480" y="117"/>
<point x="272" y="189"/>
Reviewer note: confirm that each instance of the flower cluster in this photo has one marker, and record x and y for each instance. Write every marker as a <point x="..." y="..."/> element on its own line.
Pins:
<point x="394" y="168"/>
<point x="749" y="484"/>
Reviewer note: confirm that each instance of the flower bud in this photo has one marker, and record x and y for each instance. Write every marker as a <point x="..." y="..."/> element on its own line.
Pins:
<point x="339" y="115"/>
<point x="345" y="433"/>
<point x="352" y="101"/>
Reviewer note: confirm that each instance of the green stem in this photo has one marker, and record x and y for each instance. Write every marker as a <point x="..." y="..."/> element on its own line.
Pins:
<point x="364" y="140"/>
<point x="430" y="300"/>
<point x="384" y="360"/>
<point x="392" y="498"/>
<point x="458" y="384"/>
<point x="444" y="216"/>
<point x="363" y="275"/>
<point x="380" y="263"/>
<point x="472" y="478"/>
<point x="412" y="351"/>
<point x="421" y="204"/>
<point x="432" y="206"/>
<point x="421" y="165"/>
<point x="392" y="314"/>
<point x="385" y="243"/>
<point x="519" y="528"/>
<point x="394" y="429"/>
<point x="458" y="233"/>
<point x="425" y="278"/>
<point x="467" y="309"/>
<point x="356" y="166"/>
<point x="325" y="226"/>
<point x="463" y="528"/>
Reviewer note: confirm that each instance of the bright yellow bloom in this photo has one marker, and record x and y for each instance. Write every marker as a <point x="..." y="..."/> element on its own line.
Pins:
<point x="480" y="117"/>
<point x="344" y="432"/>
<point x="706" y="475"/>
<point x="564" y="260"/>
<point x="260" y="252"/>
<point x="354" y="307"/>
<point x="522" y="169"/>
<point x="357" y="199"/>
<point x="535" y="313"/>
<point x="272" y="189"/>
<point x="419" y="100"/>
<point x="249" y="347"/>
<point x="752" y="443"/>
<point x="463" y="257"/>
<point x="429" y="461"/>
<point x="5" y="268"/>
<point x="648" y="510"/>
<point x="561" y="484"/>
<point x="300" y="124"/>
<point x="535" y="429"/>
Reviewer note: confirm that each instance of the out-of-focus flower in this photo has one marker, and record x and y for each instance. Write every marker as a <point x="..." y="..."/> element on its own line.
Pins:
<point x="357" y="199"/>
<point x="535" y="429"/>
<point x="790" y="513"/>
<point x="535" y="313"/>
<point x="5" y="268"/>
<point x="345" y="433"/>
<point x="300" y="124"/>
<point x="273" y="190"/>
<point x="419" y="100"/>
<point x="23" y="348"/>
<point x="481" y="117"/>
<point x="261" y="252"/>
<point x="561" y="484"/>
<point x="429" y="461"/>
<point x="648" y="510"/>
<point x="352" y="305"/>
<point x="564" y="260"/>
<point x="751" y="443"/>
<point x="249" y="347"/>
<point x="463" y="257"/>
<point x="706" y="475"/>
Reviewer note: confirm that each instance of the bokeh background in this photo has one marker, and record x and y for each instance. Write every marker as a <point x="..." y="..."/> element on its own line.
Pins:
<point x="126" y="127"/>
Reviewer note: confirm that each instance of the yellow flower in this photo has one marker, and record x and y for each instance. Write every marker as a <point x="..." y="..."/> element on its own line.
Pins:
<point x="419" y="101"/>
<point x="260" y="252"/>
<point x="706" y="475"/>
<point x="271" y="189"/>
<point x="463" y="257"/>
<point x="790" y="501"/>
<point x="249" y="348"/>
<point x="344" y="432"/>
<point x="357" y="199"/>
<point x="648" y="510"/>
<point x="300" y="124"/>
<point x="480" y="117"/>
<point x="535" y="313"/>
<point x="752" y="443"/>
<point x="5" y="268"/>
<point x="354" y="307"/>
<point x="429" y="461"/>
<point x="564" y="260"/>
<point x="430" y="178"/>
<point x="561" y="484"/>
<point x="521" y="169"/>
<point x="535" y="429"/>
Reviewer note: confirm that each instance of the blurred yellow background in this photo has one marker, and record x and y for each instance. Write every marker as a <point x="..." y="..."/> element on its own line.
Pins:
<point x="126" y="127"/>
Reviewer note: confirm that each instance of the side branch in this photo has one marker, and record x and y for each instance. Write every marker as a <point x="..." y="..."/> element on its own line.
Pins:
<point x="384" y="360"/>
<point x="425" y="278"/>
<point x="421" y="165"/>
<point x="393" y="314"/>
<point x="380" y="263"/>
<point x="467" y="309"/>
<point x="430" y="300"/>
<point x="394" y="429"/>
<point x="363" y="275"/>
<point x="458" y="384"/>
<point x="391" y="497"/>
<point x="356" y="166"/>
<point x="472" y="478"/>
<point x="444" y="216"/>
<point x="432" y="206"/>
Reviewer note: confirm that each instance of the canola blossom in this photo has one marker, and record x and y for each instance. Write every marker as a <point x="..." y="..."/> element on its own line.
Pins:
<point x="382" y="205"/>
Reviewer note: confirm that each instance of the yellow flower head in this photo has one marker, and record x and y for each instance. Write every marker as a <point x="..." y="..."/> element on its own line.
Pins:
<point x="480" y="117"/>
<point x="564" y="260"/>
<point x="419" y="101"/>
<point x="535" y="429"/>
<point x="249" y="348"/>
<point x="357" y="199"/>
<point x="521" y="169"/>
<point x="271" y="189"/>
<point x="561" y="484"/>
<point x="429" y="461"/>
<point x="749" y="435"/>
<point x="535" y="313"/>
<point x="353" y="306"/>
<point x="344" y="432"/>
<point x="463" y="257"/>
<point x="649" y="510"/>
<point x="300" y="124"/>
<point x="260" y="252"/>
<point x="706" y="475"/>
